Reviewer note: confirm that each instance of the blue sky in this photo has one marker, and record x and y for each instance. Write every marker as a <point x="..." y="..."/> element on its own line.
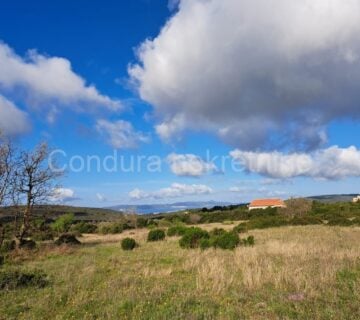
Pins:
<point x="180" y="81"/>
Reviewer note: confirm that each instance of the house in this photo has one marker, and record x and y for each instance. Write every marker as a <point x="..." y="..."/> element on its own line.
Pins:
<point x="356" y="199"/>
<point x="266" y="203"/>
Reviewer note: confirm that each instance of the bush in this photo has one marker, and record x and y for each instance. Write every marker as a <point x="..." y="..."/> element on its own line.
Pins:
<point x="267" y="222"/>
<point x="8" y="245"/>
<point x="156" y="235"/>
<point x="2" y="260"/>
<point x="306" y="220"/>
<point x="340" y="221"/>
<point x="83" y="227"/>
<point x="42" y="235"/>
<point x="240" y="228"/>
<point x="217" y="232"/>
<point x="128" y="244"/>
<point x="204" y="244"/>
<point x="192" y="237"/>
<point x="27" y="244"/>
<point x="176" y="231"/>
<point x="110" y="227"/>
<point x="63" y="223"/>
<point x="249" y="241"/>
<point x="67" y="238"/>
<point x="141" y="222"/>
<point x="227" y="240"/>
<point x="13" y="279"/>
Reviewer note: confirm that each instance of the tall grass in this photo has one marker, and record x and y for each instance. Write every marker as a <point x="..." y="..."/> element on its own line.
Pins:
<point x="310" y="272"/>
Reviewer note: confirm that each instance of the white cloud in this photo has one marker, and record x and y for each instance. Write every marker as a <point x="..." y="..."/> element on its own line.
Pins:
<point x="331" y="163"/>
<point x="48" y="80"/>
<point x="189" y="165"/>
<point x="121" y="134"/>
<point x="63" y="195"/>
<point x="253" y="78"/>
<point x="176" y="190"/>
<point x="13" y="121"/>
<point x="101" y="197"/>
<point x="258" y="192"/>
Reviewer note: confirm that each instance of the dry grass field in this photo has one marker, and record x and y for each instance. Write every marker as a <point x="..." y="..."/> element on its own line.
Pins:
<point x="309" y="272"/>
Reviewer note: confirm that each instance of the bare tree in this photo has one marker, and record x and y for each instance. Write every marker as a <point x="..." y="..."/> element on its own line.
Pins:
<point x="7" y="165"/>
<point x="35" y="181"/>
<point x="6" y="169"/>
<point x="296" y="207"/>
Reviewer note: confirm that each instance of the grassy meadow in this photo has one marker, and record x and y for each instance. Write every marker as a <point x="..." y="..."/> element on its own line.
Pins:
<point x="293" y="272"/>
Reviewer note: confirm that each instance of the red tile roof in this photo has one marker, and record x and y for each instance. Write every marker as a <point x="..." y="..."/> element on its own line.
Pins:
<point x="267" y="203"/>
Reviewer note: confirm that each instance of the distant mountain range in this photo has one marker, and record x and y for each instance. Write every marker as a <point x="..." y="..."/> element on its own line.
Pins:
<point x="167" y="207"/>
<point x="331" y="198"/>
<point x="178" y="206"/>
<point x="113" y="213"/>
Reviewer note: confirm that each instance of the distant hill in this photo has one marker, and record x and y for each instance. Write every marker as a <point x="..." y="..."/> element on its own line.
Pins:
<point x="332" y="198"/>
<point x="51" y="212"/>
<point x="167" y="207"/>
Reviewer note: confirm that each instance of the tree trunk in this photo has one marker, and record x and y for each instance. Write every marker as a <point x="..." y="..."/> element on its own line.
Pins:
<point x="26" y="221"/>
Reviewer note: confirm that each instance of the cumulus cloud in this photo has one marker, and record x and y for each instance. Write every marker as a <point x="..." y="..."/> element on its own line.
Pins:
<point x="332" y="163"/>
<point x="13" y="121"/>
<point x="63" y="195"/>
<point x="258" y="73"/>
<point x="176" y="190"/>
<point x="121" y="134"/>
<point x="47" y="80"/>
<point x="189" y="165"/>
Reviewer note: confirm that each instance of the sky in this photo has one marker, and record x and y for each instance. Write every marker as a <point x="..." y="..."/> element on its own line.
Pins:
<point x="151" y="101"/>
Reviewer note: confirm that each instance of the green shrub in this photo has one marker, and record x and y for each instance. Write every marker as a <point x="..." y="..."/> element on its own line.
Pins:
<point x="266" y="222"/>
<point x="2" y="260"/>
<point x="227" y="240"/>
<point x="176" y="231"/>
<point x="110" y="227"/>
<point x="13" y="279"/>
<point x="127" y="226"/>
<point x="192" y="237"/>
<point x="156" y="235"/>
<point x="204" y="244"/>
<point x="340" y="221"/>
<point x="305" y="220"/>
<point x="217" y="232"/>
<point x="141" y="222"/>
<point x="83" y="227"/>
<point x="249" y="241"/>
<point x="63" y="223"/>
<point x="8" y="245"/>
<point x="240" y="228"/>
<point x="42" y="235"/>
<point x="128" y="244"/>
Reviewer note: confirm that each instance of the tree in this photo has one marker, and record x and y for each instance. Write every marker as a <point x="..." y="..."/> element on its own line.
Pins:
<point x="63" y="223"/>
<point x="7" y="165"/>
<point x="6" y="169"/>
<point x="35" y="181"/>
<point x="296" y="207"/>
